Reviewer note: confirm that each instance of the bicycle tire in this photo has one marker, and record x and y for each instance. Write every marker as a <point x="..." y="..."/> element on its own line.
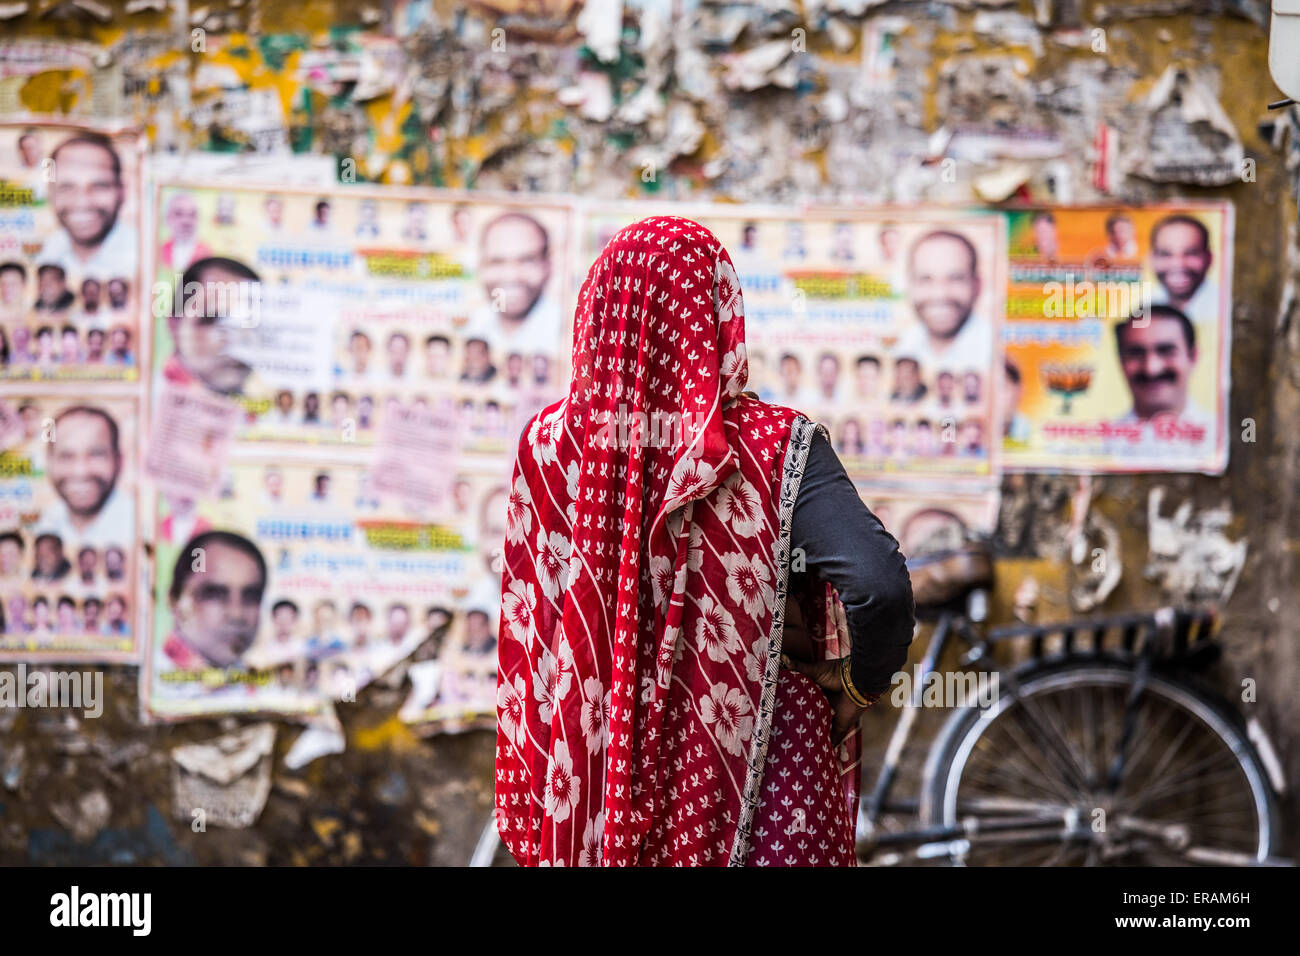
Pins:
<point x="951" y="751"/>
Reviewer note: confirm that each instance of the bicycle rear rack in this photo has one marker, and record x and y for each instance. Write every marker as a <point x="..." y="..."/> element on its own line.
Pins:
<point x="1166" y="634"/>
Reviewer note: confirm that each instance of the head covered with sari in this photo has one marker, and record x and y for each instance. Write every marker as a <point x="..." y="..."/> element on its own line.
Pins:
<point x="646" y="563"/>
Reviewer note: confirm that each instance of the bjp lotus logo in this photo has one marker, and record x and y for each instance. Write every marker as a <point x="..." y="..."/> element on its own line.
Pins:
<point x="1067" y="381"/>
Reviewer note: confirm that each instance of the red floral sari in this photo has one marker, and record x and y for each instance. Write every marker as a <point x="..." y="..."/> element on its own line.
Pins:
<point x="643" y="714"/>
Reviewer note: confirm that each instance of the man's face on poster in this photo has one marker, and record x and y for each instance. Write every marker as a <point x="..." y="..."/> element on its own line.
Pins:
<point x="218" y="608"/>
<point x="1157" y="364"/>
<point x="117" y="289"/>
<point x="49" y="554"/>
<point x="51" y="284"/>
<point x="83" y="464"/>
<point x="399" y="620"/>
<point x="359" y="618"/>
<point x="1045" y="235"/>
<point x="87" y="562"/>
<point x="359" y="349"/>
<point x="790" y="372"/>
<point x="946" y="386"/>
<point x="183" y="217"/>
<point x="1179" y="259"/>
<point x="943" y="285"/>
<point x="889" y="244"/>
<point x="1122" y="232"/>
<point x="114" y="562"/>
<point x="90" y="291"/>
<point x="29" y="149"/>
<point x="399" y="348"/>
<point x="476" y="358"/>
<point x="477" y="632"/>
<point x="907" y="376"/>
<point x="285" y="619"/>
<point x="203" y="334"/>
<point x="10" y="556"/>
<point x="12" y="286"/>
<point x="515" y="266"/>
<point x="828" y="372"/>
<point x="86" y="194"/>
<point x="436" y="354"/>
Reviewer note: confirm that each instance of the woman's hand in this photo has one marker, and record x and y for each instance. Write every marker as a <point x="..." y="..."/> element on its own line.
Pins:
<point x="826" y="675"/>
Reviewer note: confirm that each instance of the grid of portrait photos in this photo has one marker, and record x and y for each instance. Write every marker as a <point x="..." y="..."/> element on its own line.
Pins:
<point x="883" y="328"/>
<point x="69" y="391"/>
<point x="322" y="320"/>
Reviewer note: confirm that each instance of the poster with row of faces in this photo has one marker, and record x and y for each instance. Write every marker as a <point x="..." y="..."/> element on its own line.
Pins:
<point x="883" y="327"/>
<point x="324" y="320"/>
<point x="71" y="554"/>
<point x="70" y="220"/>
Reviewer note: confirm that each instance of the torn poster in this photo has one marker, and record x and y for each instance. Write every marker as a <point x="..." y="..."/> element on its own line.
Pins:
<point x="1185" y="135"/>
<point x="189" y="441"/>
<point x="339" y="584"/>
<point x="224" y="781"/>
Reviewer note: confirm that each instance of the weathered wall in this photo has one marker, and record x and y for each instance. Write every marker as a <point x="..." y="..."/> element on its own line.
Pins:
<point x="479" y="108"/>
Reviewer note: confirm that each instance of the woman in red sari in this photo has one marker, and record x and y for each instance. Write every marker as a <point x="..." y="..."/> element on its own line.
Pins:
<point x="655" y="571"/>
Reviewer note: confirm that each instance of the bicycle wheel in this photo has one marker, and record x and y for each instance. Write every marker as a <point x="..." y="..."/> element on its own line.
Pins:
<point x="1033" y="777"/>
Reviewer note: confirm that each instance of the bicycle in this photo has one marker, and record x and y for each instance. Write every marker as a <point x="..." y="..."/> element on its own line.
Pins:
<point x="984" y="802"/>
<point x="1106" y="750"/>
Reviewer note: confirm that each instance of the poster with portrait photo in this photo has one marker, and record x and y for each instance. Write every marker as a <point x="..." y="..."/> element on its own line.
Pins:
<point x="880" y="325"/>
<point x="68" y="534"/>
<point x="70" y="277"/>
<point x="297" y="584"/>
<point x="927" y="522"/>
<point x="458" y="691"/>
<point x="342" y="304"/>
<point x="1118" y="338"/>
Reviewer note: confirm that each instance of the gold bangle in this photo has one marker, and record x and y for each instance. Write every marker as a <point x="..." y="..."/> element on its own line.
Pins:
<point x="847" y="681"/>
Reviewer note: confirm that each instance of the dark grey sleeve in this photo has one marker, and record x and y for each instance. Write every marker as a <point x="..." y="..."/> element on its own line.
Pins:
<point x="845" y="544"/>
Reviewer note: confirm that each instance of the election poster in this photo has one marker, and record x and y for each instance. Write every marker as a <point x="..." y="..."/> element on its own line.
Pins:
<point x="297" y="584"/>
<point x="70" y="277"/>
<point x="320" y="312"/>
<point x="68" y="556"/>
<point x="881" y="326"/>
<point x="1117" y="338"/>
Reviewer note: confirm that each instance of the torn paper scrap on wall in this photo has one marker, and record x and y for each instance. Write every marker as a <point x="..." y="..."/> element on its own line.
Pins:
<point x="322" y="737"/>
<point x="224" y="781"/>
<point x="768" y="64"/>
<point x="1185" y="136"/>
<point x="1190" y="555"/>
